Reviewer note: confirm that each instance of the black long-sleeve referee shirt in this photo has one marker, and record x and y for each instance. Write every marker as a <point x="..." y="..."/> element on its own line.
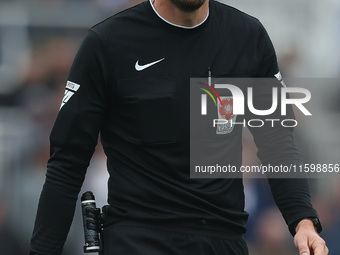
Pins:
<point x="130" y="83"/>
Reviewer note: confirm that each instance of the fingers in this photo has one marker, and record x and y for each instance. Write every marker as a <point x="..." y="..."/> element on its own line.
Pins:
<point x="319" y="247"/>
<point x="311" y="246"/>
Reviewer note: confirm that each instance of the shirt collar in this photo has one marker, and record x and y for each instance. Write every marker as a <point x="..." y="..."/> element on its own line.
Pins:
<point x="175" y="25"/>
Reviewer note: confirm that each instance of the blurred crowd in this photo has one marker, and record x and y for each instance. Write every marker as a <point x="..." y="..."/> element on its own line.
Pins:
<point x="34" y="64"/>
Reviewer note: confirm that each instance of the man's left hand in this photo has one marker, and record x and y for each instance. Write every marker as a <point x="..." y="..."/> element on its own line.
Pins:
<point x="308" y="241"/>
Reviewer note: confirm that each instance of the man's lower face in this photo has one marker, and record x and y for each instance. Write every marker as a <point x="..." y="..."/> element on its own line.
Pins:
<point x="188" y="5"/>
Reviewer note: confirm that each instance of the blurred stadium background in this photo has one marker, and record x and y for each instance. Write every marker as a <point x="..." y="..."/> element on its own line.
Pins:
<point x="38" y="41"/>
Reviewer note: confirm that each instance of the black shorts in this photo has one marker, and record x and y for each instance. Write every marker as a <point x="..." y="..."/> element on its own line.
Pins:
<point x="129" y="239"/>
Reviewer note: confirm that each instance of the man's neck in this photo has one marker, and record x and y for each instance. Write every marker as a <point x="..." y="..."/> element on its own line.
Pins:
<point x="168" y="11"/>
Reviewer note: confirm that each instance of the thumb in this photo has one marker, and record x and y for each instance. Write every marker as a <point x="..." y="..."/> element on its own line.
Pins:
<point x="304" y="250"/>
<point x="302" y="245"/>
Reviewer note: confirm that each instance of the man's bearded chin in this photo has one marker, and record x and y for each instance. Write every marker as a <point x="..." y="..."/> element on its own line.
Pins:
<point x="188" y="5"/>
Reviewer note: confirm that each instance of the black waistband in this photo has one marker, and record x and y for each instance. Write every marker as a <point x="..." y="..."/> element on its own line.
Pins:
<point x="204" y="227"/>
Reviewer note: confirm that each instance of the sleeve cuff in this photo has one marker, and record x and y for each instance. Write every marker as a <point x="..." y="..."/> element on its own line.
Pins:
<point x="315" y="220"/>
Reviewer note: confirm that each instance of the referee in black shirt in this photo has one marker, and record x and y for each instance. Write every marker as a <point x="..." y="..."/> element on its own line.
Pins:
<point x="131" y="69"/>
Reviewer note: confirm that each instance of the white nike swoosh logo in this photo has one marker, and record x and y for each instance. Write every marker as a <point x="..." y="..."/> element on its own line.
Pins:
<point x="142" y="67"/>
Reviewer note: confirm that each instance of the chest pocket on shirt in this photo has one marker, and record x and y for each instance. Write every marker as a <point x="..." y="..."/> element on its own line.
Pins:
<point x="147" y="107"/>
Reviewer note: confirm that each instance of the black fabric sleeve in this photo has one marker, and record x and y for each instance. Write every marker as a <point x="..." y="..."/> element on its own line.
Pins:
<point x="73" y="139"/>
<point x="276" y="144"/>
<point x="266" y="60"/>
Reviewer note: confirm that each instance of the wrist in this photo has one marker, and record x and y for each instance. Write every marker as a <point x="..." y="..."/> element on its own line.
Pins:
<point x="309" y="223"/>
<point x="303" y="224"/>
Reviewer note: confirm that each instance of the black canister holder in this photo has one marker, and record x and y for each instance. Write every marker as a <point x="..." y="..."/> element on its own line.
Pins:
<point x="92" y="223"/>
